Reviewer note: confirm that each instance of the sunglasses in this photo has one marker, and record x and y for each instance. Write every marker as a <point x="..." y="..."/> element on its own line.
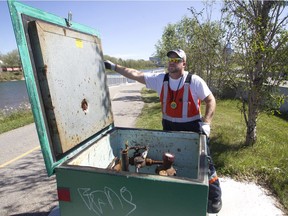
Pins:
<point x="175" y="60"/>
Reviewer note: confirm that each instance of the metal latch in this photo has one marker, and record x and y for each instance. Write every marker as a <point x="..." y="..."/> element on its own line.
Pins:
<point x="69" y="19"/>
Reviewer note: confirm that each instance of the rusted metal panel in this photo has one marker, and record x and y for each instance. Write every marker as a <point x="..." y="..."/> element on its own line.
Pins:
<point x="72" y="81"/>
<point x="65" y="79"/>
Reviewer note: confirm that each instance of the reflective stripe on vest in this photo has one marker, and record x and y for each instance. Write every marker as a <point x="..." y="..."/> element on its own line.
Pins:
<point x="165" y="92"/>
<point x="185" y="117"/>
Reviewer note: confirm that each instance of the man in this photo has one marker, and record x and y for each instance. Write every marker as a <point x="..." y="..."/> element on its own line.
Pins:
<point x="180" y="94"/>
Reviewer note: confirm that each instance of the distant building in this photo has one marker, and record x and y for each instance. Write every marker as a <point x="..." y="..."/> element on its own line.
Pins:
<point x="157" y="61"/>
<point x="11" y="69"/>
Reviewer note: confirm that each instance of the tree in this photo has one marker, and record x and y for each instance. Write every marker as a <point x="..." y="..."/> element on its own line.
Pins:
<point x="11" y="58"/>
<point x="207" y="56"/>
<point x="168" y="41"/>
<point x="1" y="57"/>
<point x="131" y="63"/>
<point x="200" y="41"/>
<point x="257" y="31"/>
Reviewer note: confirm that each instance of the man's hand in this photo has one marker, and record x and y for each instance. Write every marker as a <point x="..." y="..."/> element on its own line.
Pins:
<point x="205" y="128"/>
<point x="109" y="65"/>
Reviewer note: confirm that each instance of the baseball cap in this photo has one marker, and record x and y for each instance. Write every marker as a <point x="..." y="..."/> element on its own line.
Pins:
<point x="179" y="52"/>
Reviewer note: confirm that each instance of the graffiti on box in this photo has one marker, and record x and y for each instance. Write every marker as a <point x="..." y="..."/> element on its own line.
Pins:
<point x="107" y="201"/>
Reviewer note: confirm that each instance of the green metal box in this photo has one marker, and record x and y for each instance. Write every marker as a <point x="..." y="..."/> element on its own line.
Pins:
<point x="66" y="83"/>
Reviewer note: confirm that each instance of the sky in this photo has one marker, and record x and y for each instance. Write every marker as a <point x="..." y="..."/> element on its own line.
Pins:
<point x="128" y="29"/>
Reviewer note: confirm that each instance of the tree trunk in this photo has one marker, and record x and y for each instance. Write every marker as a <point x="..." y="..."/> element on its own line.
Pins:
<point x="251" y="133"/>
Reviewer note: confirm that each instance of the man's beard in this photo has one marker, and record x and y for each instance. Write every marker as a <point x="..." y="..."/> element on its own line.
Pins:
<point x="173" y="69"/>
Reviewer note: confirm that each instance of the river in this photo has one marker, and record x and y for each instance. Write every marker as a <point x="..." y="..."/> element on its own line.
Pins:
<point x="13" y="95"/>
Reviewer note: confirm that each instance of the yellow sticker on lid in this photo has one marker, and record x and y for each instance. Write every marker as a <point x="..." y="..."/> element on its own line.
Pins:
<point x="79" y="43"/>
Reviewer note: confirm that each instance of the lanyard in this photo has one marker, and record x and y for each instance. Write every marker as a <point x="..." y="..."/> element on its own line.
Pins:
<point x="173" y="104"/>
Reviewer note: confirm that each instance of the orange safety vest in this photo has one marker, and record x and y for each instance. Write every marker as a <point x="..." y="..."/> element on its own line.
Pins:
<point x="186" y="110"/>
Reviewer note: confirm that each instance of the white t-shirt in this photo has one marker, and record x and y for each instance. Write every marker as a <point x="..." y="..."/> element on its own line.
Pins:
<point x="198" y="86"/>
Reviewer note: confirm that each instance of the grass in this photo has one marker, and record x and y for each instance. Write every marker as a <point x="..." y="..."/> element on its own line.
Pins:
<point x="265" y="163"/>
<point x="8" y="76"/>
<point x="12" y="119"/>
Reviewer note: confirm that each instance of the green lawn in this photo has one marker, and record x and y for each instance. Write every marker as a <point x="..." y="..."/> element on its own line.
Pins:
<point x="8" y="76"/>
<point x="265" y="163"/>
<point x="15" y="119"/>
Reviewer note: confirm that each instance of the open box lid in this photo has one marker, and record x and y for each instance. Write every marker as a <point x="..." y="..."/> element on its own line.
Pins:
<point x="66" y="82"/>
